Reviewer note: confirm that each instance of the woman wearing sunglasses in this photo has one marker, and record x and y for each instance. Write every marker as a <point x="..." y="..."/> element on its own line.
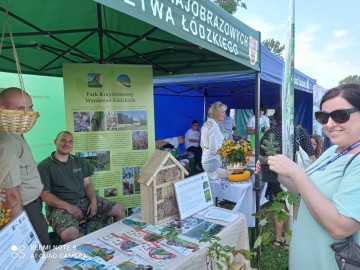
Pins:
<point x="329" y="209"/>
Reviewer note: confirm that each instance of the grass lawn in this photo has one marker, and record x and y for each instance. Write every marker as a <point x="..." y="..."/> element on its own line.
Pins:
<point x="271" y="257"/>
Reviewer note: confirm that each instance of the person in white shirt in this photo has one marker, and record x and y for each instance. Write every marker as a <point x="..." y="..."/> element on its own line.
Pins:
<point x="192" y="143"/>
<point x="229" y="125"/>
<point x="264" y="125"/>
<point x="213" y="135"/>
<point x="172" y="142"/>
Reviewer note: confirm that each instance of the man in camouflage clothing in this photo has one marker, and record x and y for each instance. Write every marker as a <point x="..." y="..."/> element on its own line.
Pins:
<point x="68" y="191"/>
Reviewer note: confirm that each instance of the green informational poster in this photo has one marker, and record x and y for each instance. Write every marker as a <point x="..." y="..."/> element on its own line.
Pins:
<point x="47" y="94"/>
<point x="110" y="111"/>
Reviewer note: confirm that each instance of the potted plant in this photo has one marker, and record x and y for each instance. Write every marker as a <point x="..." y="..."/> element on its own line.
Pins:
<point x="234" y="155"/>
<point x="270" y="147"/>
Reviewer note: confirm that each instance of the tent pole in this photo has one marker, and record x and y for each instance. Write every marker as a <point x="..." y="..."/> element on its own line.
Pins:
<point x="257" y="185"/>
<point x="205" y="105"/>
<point x="100" y="32"/>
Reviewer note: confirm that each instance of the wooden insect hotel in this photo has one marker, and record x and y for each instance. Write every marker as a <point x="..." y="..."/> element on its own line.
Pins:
<point x="156" y="179"/>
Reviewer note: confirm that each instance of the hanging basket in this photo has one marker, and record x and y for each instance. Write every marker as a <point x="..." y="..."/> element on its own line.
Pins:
<point x="17" y="122"/>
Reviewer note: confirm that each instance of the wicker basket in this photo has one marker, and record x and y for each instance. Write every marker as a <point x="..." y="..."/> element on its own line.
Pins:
<point x="17" y="122"/>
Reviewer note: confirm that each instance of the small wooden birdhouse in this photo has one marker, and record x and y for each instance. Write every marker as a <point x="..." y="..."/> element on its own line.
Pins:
<point x="156" y="179"/>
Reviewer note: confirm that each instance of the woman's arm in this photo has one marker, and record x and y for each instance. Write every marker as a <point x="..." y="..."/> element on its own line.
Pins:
<point x="322" y="209"/>
<point x="288" y="183"/>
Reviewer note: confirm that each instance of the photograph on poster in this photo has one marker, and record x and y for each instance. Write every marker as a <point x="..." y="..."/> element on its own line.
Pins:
<point x="132" y="211"/>
<point x="30" y="238"/>
<point x="128" y="173"/>
<point x="136" y="177"/>
<point x="98" y="160"/>
<point x="139" y="140"/>
<point x="111" y="121"/>
<point x="81" y="121"/>
<point x="97" y="121"/>
<point x="128" y="186"/>
<point x="207" y="194"/>
<point x="205" y="185"/>
<point x="110" y="192"/>
<point x="132" y="120"/>
<point x="94" y="80"/>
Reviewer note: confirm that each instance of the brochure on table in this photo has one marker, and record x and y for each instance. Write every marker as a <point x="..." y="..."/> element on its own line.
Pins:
<point x="20" y="247"/>
<point x="193" y="194"/>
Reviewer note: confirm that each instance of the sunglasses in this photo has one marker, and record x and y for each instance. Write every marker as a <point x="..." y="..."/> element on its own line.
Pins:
<point x="338" y="116"/>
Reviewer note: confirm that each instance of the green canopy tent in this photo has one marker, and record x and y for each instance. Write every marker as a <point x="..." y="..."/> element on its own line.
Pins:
<point x="174" y="37"/>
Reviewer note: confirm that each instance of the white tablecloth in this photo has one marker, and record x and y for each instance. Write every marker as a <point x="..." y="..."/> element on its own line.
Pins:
<point x="234" y="234"/>
<point x="242" y="194"/>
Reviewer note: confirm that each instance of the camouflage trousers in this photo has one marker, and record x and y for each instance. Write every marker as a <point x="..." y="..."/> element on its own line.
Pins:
<point x="60" y="219"/>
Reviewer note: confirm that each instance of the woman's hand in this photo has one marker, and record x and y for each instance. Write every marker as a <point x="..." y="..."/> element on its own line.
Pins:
<point x="281" y="164"/>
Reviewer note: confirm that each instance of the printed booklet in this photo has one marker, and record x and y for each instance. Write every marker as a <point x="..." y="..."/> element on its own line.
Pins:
<point x="98" y="248"/>
<point x="86" y="262"/>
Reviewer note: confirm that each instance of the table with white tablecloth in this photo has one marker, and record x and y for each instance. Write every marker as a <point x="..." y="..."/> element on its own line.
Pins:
<point x="241" y="193"/>
<point x="234" y="233"/>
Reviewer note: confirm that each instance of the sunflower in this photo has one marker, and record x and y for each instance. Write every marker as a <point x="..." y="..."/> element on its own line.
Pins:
<point x="235" y="153"/>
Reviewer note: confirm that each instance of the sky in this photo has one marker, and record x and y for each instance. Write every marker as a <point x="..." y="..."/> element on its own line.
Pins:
<point x="327" y="34"/>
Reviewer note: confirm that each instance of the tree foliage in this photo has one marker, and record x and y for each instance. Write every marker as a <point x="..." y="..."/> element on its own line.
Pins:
<point x="351" y="79"/>
<point x="230" y="5"/>
<point x="274" y="46"/>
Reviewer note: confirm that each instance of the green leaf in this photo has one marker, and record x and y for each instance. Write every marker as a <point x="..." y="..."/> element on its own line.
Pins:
<point x="217" y="238"/>
<point x="258" y="242"/>
<point x="247" y="253"/>
<point x="228" y="248"/>
<point x="283" y="216"/>
<point x="263" y="222"/>
<point x="292" y="198"/>
<point x="277" y="207"/>
<point x="266" y="237"/>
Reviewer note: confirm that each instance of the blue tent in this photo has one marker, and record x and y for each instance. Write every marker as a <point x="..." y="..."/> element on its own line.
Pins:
<point x="180" y="99"/>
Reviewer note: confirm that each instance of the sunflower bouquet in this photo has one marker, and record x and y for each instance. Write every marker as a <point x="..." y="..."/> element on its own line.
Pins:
<point x="235" y="154"/>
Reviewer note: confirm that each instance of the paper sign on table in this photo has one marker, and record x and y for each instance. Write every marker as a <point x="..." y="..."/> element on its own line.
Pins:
<point x="143" y="236"/>
<point x="154" y="253"/>
<point x="179" y="247"/>
<point x="120" y="242"/>
<point x="219" y="214"/>
<point x="193" y="194"/>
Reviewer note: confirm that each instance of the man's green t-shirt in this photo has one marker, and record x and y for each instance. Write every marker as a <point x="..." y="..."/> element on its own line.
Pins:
<point x="65" y="179"/>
